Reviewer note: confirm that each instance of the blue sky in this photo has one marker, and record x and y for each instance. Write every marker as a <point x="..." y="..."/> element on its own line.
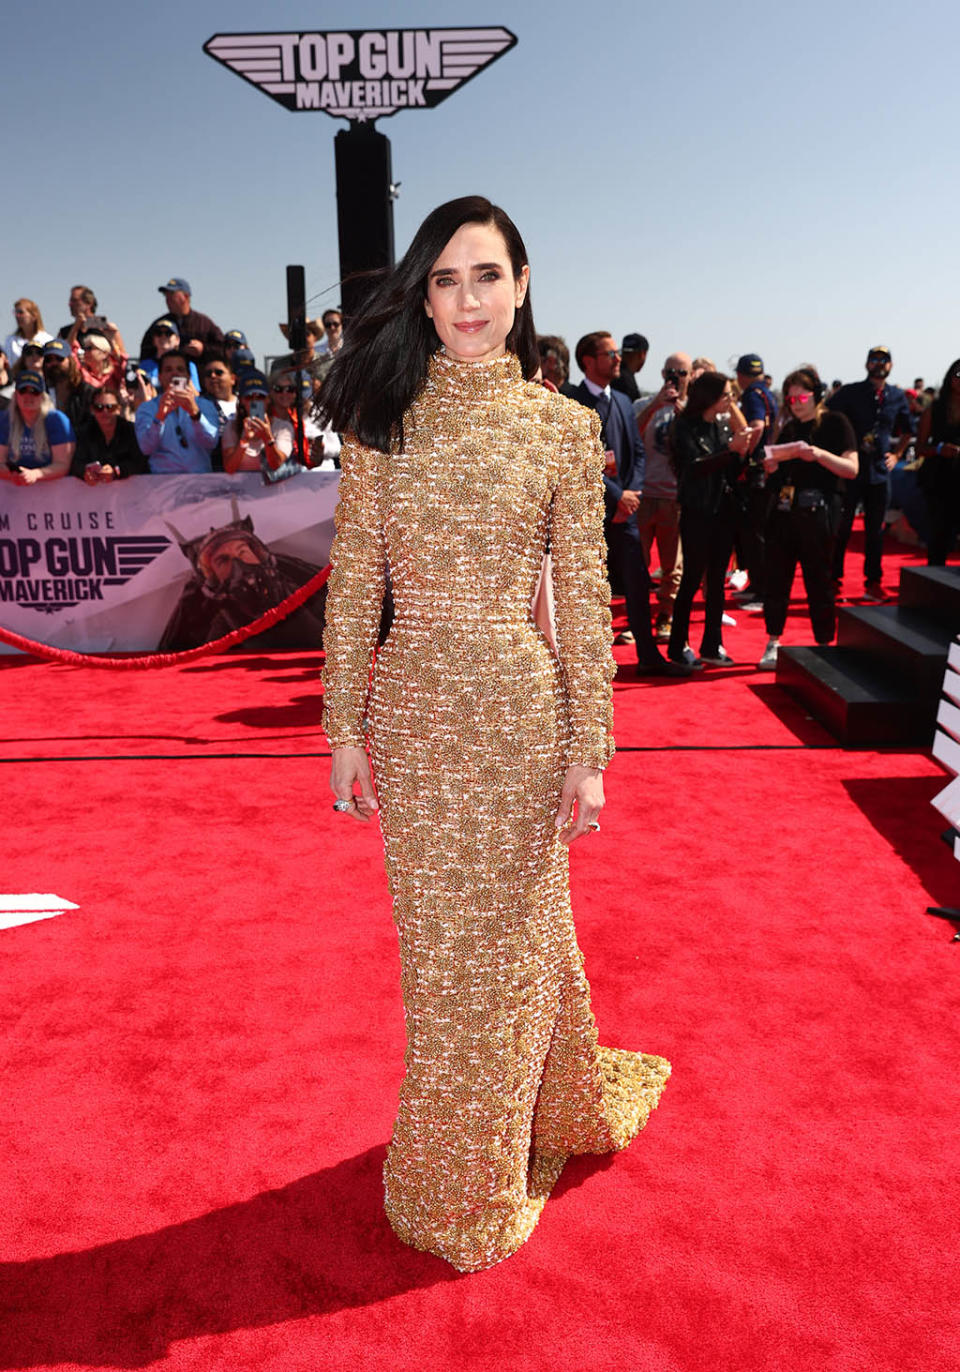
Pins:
<point x="722" y="179"/>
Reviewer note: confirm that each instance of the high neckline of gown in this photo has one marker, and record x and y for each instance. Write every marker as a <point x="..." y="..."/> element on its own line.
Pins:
<point x="475" y="380"/>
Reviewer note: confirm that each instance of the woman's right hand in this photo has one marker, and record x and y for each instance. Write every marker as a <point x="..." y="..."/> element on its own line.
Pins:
<point x="350" y="768"/>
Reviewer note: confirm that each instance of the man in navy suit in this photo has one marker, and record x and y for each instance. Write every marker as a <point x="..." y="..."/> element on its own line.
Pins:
<point x="598" y="357"/>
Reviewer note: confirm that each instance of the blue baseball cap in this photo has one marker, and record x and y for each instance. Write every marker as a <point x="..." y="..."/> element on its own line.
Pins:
<point x="31" y="381"/>
<point x="57" y="347"/>
<point x="176" y="283"/>
<point x="253" y="383"/>
<point x="243" y="357"/>
<point x="750" y="364"/>
<point x="236" y="337"/>
<point x="166" y="326"/>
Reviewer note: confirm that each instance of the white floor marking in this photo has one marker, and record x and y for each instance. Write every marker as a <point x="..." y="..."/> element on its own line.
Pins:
<point x="24" y="909"/>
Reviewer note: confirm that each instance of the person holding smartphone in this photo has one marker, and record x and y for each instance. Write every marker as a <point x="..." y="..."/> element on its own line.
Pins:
<point x="251" y="440"/>
<point x="107" y="448"/>
<point x="179" y="429"/>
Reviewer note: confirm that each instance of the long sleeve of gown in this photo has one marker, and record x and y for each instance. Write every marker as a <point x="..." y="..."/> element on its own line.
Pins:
<point x="354" y="597"/>
<point x="582" y="592"/>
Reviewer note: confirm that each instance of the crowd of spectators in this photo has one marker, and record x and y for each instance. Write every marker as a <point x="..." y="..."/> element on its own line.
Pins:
<point x="737" y="484"/>
<point x="731" y="482"/>
<point x="78" y="404"/>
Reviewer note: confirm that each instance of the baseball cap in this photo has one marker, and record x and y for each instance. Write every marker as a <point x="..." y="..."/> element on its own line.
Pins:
<point x="236" y="336"/>
<point x="57" y="347"/>
<point x="253" y="383"/>
<point x="31" y="381"/>
<point x="634" y="343"/>
<point x="243" y="357"/>
<point x="879" y="351"/>
<point x="176" y="283"/>
<point x="750" y="364"/>
<point x="166" y="326"/>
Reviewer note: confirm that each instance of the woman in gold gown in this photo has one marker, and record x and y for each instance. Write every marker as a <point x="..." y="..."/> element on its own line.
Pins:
<point x="487" y="748"/>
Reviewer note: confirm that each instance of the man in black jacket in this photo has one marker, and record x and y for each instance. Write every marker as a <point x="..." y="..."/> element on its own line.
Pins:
<point x="198" y="333"/>
<point x="598" y="358"/>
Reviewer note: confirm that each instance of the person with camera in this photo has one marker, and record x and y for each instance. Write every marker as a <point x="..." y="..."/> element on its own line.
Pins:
<point x="938" y="447"/>
<point x="179" y="429"/>
<point x="107" y="448"/>
<point x="252" y="440"/>
<point x="707" y="461"/>
<point x="36" y="440"/>
<point x="814" y="450"/>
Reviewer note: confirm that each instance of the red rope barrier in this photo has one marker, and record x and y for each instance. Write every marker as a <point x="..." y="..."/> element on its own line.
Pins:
<point x="138" y="663"/>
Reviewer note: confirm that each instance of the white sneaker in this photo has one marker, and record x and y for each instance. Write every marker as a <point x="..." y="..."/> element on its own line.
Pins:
<point x="770" y="653"/>
<point x="728" y="620"/>
<point x="738" y="580"/>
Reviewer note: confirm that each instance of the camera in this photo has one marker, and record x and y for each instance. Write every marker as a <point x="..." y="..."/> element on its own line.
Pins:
<point x="671" y="377"/>
<point x="131" y="373"/>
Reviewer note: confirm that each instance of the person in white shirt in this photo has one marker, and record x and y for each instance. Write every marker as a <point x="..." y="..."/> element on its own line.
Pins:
<point x="29" y="329"/>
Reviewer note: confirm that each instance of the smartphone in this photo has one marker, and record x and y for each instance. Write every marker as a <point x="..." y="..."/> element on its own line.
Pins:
<point x="258" y="409"/>
<point x="179" y="383"/>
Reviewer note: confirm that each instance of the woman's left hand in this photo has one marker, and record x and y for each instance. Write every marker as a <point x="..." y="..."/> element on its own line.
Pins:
<point x="583" y="787"/>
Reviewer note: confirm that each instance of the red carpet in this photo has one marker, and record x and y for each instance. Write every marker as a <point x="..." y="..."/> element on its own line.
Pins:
<point x="200" y="1063"/>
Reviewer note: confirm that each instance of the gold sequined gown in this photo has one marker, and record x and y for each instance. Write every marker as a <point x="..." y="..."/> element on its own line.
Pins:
<point x="472" y="724"/>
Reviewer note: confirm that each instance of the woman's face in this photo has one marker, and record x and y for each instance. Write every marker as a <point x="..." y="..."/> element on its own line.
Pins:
<point x="29" y="404"/>
<point x="95" y="359"/>
<point x="26" y="321"/>
<point x="164" y="342"/>
<point x="472" y="296"/>
<point x="282" y="395"/>
<point x="105" y="409"/>
<point x="802" y="404"/>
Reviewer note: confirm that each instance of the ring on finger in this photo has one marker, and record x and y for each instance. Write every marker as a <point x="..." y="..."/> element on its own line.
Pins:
<point x="343" y="806"/>
<point x="594" y="826"/>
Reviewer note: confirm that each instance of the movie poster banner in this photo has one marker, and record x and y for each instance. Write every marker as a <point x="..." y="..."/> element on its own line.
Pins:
<point x="163" y="563"/>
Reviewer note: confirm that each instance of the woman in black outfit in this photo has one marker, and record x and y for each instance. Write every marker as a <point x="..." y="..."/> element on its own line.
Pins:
<point x="814" y="448"/>
<point x="938" y="444"/>
<point x="707" y="462"/>
<point x="107" y="448"/>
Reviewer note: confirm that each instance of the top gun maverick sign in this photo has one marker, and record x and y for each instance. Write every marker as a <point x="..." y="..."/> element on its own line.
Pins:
<point x="360" y="75"/>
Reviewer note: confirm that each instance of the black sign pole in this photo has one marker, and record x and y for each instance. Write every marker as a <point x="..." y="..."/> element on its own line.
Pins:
<point x="297" y="338"/>
<point x="364" y="209"/>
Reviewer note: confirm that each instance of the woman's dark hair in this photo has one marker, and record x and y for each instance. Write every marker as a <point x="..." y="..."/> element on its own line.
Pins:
<point x="704" y="391"/>
<point x="383" y="364"/>
<point x="940" y="409"/>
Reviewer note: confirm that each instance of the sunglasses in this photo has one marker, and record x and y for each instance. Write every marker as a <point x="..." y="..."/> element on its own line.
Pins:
<point x="283" y="390"/>
<point x="212" y="373"/>
<point x="110" y="409"/>
<point x="28" y="390"/>
<point x="800" y="398"/>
